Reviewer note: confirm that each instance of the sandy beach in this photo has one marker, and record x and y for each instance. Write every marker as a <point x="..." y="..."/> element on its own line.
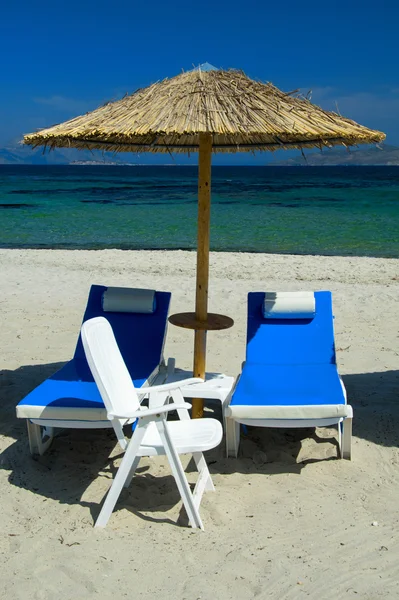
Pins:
<point x="288" y="520"/>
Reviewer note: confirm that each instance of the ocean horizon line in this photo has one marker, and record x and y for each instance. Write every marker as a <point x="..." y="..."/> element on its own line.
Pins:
<point x="195" y="166"/>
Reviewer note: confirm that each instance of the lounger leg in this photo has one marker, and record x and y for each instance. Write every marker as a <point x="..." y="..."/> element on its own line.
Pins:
<point x="170" y="369"/>
<point x="346" y="438"/>
<point x="340" y="438"/>
<point x="122" y="475"/>
<point x="232" y="437"/>
<point x="40" y="438"/>
<point x="179" y="475"/>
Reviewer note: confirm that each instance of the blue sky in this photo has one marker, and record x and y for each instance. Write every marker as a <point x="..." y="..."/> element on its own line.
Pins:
<point x="63" y="58"/>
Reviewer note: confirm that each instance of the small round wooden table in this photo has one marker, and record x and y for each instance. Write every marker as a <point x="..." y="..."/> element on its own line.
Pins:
<point x="213" y="322"/>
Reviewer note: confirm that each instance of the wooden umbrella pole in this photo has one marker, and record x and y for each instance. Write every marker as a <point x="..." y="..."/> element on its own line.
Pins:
<point x="201" y="298"/>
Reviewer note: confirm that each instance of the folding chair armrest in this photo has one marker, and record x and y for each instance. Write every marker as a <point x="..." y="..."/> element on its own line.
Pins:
<point x="149" y="412"/>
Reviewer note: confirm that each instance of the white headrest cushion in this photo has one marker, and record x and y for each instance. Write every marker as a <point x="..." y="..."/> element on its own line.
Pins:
<point x="289" y="305"/>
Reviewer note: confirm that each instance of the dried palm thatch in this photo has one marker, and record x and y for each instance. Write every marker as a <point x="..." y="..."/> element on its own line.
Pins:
<point x="241" y="114"/>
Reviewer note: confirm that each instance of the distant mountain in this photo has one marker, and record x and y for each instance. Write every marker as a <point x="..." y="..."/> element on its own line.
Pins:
<point x="9" y="157"/>
<point x="17" y="154"/>
<point x="24" y="155"/>
<point x="375" y="155"/>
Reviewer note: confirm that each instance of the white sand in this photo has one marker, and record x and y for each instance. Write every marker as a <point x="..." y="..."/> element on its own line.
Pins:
<point x="301" y="524"/>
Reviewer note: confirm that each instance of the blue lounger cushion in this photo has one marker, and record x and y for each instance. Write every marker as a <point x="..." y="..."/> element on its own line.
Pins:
<point x="290" y="341"/>
<point x="71" y="393"/>
<point x="290" y="370"/>
<point x="288" y="391"/>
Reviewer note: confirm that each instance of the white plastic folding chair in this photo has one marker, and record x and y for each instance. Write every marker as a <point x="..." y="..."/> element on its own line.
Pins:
<point x="153" y="434"/>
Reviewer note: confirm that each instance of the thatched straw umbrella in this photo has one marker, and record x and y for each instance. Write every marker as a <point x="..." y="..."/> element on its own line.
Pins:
<point x="205" y="110"/>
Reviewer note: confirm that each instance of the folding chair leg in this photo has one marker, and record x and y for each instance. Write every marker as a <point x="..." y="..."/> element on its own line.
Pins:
<point x="346" y="444"/>
<point x="179" y="475"/>
<point x="204" y="479"/>
<point x="122" y="475"/>
<point x="40" y="438"/>
<point x="132" y="471"/>
<point x="232" y="437"/>
<point x="117" y="425"/>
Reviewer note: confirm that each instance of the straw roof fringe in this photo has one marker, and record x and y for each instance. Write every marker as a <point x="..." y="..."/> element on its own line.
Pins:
<point x="240" y="113"/>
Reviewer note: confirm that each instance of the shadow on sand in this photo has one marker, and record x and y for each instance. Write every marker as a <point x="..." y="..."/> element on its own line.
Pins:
<point x="78" y="457"/>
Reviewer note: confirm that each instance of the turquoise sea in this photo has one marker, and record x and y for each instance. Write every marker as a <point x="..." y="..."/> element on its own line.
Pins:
<point x="298" y="210"/>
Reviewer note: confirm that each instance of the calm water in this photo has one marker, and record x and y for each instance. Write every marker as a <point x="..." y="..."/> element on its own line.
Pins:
<point x="298" y="210"/>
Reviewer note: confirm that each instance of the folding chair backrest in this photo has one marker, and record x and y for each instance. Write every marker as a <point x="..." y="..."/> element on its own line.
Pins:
<point x="107" y="366"/>
<point x="290" y="341"/>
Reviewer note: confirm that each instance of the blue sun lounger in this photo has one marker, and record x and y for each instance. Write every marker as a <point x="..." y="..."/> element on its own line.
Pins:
<point x="290" y="376"/>
<point x="70" y="398"/>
